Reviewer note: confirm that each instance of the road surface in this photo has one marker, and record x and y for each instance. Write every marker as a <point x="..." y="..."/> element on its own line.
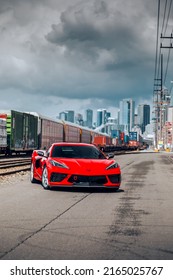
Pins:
<point x="92" y="224"/>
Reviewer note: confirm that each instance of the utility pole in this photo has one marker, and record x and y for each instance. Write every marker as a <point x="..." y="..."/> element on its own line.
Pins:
<point x="164" y="102"/>
<point x="159" y="96"/>
<point x="157" y="85"/>
<point x="166" y="37"/>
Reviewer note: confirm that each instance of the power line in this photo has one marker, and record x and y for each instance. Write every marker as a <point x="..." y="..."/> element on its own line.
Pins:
<point x="164" y="16"/>
<point x="168" y="17"/>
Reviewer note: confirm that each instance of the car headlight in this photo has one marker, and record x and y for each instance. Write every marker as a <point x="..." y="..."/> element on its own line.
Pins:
<point x="58" y="164"/>
<point x="113" y="165"/>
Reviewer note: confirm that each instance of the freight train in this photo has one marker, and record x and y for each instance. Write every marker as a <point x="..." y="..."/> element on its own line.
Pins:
<point x="26" y="131"/>
<point x="23" y="132"/>
<point x="120" y="142"/>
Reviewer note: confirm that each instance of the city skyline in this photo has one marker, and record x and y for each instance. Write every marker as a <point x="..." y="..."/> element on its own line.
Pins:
<point x="126" y="119"/>
<point x="72" y="54"/>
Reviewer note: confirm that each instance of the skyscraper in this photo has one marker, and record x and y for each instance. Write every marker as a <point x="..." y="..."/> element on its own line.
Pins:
<point x="79" y="119"/>
<point x="143" y="116"/>
<point x="89" y="118"/>
<point x="127" y="113"/>
<point x="101" y="116"/>
<point x="70" y="116"/>
<point x="63" y="116"/>
<point x="67" y="116"/>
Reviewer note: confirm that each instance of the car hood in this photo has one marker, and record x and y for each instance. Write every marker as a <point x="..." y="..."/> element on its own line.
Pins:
<point x="86" y="166"/>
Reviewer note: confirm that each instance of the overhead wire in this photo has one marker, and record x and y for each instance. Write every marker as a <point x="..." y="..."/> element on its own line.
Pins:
<point x="164" y="26"/>
<point x="157" y="43"/>
<point x="169" y="10"/>
<point x="169" y="50"/>
<point x="164" y="17"/>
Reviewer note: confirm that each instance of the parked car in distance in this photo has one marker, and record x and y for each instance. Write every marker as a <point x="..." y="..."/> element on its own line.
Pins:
<point x="74" y="164"/>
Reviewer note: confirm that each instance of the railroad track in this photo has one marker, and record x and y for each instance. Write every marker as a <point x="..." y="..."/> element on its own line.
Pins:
<point x="8" y="167"/>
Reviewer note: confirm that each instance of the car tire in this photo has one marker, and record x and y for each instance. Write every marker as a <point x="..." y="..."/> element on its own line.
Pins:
<point x="32" y="179"/>
<point x="44" y="179"/>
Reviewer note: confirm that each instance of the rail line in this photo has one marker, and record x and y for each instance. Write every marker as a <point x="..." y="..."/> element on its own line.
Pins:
<point x="14" y="165"/>
<point x="8" y="167"/>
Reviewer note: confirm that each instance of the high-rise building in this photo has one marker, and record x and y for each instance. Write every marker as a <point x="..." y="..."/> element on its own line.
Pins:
<point x="171" y="99"/>
<point x="101" y="116"/>
<point x="63" y="116"/>
<point x="70" y="116"/>
<point x="136" y="119"/>
<point x="79" y="119"/>
<point x="67" y="116"/>
<point x="127" y="113"/>
<point x="108" y="115"/>
<point x="89" y="118"/>
<point x="143" y="116"/>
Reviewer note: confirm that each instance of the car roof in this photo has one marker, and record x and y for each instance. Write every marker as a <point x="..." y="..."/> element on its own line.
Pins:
<point x="71" y="144"/>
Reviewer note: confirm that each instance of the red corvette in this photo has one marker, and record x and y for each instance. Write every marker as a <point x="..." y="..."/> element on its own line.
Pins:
<point x="74" y="164"/>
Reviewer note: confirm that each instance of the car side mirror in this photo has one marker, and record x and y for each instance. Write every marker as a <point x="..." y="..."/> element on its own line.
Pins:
<point x="110" y="155"/>
<point x="41" y="154"/>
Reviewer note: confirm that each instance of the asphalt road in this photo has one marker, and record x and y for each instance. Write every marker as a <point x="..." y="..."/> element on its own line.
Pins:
<point x="92" y="224"/>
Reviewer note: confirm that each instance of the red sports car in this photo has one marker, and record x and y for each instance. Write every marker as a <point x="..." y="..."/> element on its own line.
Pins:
<point x="74" y="164"/>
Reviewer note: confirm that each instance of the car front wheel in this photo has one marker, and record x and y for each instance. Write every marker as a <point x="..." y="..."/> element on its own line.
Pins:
<point x="33" y="180"/>
<point x="45" y="182"/>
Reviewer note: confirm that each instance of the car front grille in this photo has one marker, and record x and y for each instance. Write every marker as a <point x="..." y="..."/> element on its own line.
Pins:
<point x="116" y="178"/>
<point x="57" y="177"/>
<point x="92" y="180"/>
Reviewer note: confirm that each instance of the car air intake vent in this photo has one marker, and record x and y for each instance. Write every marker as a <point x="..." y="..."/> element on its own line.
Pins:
<point x="92" y="180"/>
<point x="57" y="177"/>
<point x="115" y="178"/>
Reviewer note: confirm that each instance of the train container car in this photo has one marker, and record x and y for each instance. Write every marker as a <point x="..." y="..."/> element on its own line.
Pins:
<point x="94" y="134"/>
<point x="72" y="132"/>
<point x="115" y="141"/>
<point x="3" y="134"/>
<point x="86" y="135"/>
<point x="49" y="131"/>
<point x="122" y="136"/>
<point x="133" y="144"/>
<point x="101" y="141"/>
<point x="126" y="139"/>
<point x="115" y="133"/>
<point x="133" y="136"/>
<point x="21" y="132"/>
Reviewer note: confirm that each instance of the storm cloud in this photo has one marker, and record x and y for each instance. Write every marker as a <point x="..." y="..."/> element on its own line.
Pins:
<point x="75" y="54"/>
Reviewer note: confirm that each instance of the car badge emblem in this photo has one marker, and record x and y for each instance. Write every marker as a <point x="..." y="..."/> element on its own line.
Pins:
<point x="75" y="178"/>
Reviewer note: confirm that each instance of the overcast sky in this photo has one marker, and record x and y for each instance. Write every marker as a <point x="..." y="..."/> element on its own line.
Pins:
<point x="58" y="55"/>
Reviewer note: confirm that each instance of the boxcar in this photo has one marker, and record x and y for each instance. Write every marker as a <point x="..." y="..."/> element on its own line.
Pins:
<point x="21" y="132"/>
<point x="72" y="132"/>
<point x="86" y="135"/>
<point x="49" y="131"/>
<point x="3" y="134"/>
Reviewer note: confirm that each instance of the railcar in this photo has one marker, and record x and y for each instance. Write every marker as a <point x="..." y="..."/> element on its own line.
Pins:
<point x="86" y="135"/>
<point x="21" y="131"/>
<point x="28" y="131"/>
<point x="3" y="134"/>
<point x="72" y="132"/>
<point x="49" y="131"/>
<point x="103" y="142"/>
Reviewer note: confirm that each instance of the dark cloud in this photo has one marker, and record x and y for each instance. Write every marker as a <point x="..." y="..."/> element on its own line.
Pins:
<point x="77" y="50"/>
<point x="103" y="35"/>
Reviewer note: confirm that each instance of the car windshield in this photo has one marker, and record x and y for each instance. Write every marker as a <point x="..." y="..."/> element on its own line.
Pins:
<point x="82" y="152"/>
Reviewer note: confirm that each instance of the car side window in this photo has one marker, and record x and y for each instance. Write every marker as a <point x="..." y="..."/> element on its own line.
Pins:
<point x="48" y="152"/>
